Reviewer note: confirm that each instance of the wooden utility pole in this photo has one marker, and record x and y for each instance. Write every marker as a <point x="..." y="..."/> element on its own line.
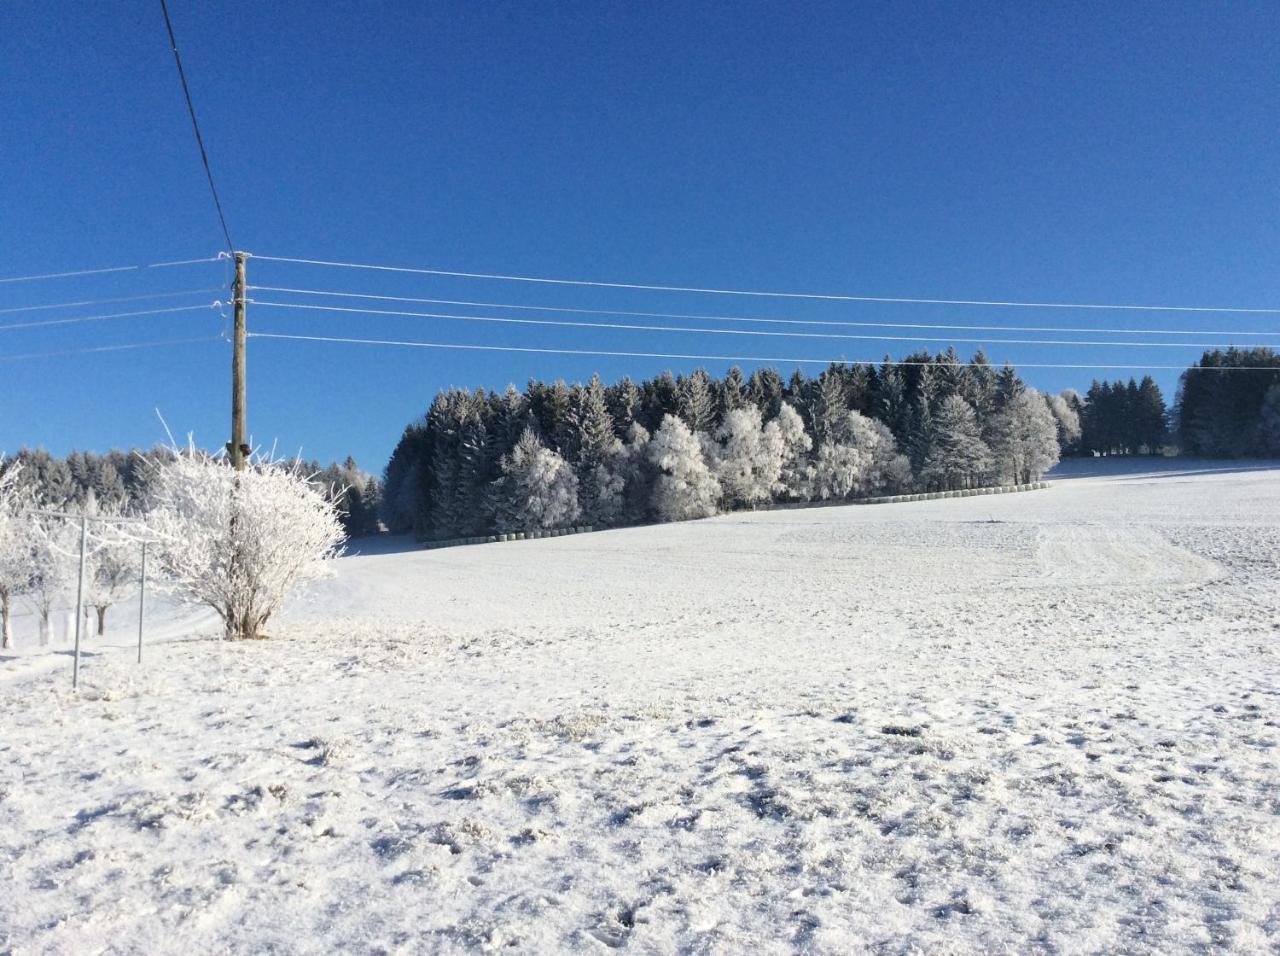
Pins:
<point x="239" y="444"/>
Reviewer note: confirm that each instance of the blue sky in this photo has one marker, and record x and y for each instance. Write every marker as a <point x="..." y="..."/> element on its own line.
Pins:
<point x="1080" y="153"/>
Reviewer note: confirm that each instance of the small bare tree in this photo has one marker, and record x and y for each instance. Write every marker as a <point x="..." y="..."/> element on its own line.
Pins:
<point x="240" y="542"/>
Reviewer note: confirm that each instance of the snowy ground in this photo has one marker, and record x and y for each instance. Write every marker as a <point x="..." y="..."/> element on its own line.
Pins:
<point x="1044" y="722"/>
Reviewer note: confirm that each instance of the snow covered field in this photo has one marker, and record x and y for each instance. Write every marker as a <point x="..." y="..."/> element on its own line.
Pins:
<point x="1044" y="722"/>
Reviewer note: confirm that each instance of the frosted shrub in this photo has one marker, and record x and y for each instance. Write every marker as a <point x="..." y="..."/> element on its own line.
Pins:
<point x="240" y="542"/>
<point x="684" y="487"/>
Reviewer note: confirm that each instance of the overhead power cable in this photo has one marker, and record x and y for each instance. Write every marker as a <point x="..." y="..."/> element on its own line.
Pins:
<point x="632" y="327"/>
<point x="123" y="298"/>
<point x="1081" y="330"/>
<point x="993" y="303"/>
<point x="75" y="320"/>
<point x="107" y="348"/>
<point x="97" y="272"/>
<point x="709" y="358"/>
<point x="186" y="92"/>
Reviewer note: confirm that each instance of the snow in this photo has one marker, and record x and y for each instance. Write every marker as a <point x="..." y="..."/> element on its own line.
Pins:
<point x="1036" y="722"/>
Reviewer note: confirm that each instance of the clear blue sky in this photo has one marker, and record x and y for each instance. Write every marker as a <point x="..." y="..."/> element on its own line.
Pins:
<point x="1087" y="153"/>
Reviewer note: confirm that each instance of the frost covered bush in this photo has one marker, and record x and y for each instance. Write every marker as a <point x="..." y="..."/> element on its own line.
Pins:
<point x="540" y="489"/>
<point x="240" y="542"/>
<point x="684" y="487"/>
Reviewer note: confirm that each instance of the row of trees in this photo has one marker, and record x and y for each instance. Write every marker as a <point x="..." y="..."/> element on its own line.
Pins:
<point x="1120" y="419"/>
<point x="1228" y="404"/>
<point x="122" y="482"/>
<point x="671" y="448"/>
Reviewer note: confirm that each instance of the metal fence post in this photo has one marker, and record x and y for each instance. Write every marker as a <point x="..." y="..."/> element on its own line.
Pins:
<point x="142" y="598"/>
<point x="75" y="667"/>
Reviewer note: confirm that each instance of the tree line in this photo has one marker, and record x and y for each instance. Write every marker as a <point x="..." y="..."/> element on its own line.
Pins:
<point x="677" y="447"/>
<point x="1228" y="404"/>
<point x="124" y="481"/>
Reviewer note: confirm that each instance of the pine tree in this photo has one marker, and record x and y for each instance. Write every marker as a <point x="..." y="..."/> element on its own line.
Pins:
<point x="697" y="405"/>
<point x="731" y="393"/>
<point x="957" y="455"/>
<point x="624" y="402"/>
<point x="600" y="481"/>
<point x="765" y="389"/>
<point x="1008" y="387"/>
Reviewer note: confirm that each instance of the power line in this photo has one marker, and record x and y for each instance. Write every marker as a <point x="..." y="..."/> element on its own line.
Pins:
<point x="186" y="92"/>
<point x="75" y="320"/>
<point x="755" y="319"/>
<point x="631" y="327"/>
<point x="107" y="348"/>
<point x="95" y="272"/>
<point x="124" y="298"/>
<point x="777" y="295"/>
<point x="714" y="358"/>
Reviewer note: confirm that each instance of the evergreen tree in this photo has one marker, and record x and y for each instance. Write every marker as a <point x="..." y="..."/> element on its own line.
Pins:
<point x="765" y="389"/>
<point x="697" y="404"/>
<point x="957" y="456"/>
<point x="731" y="393"/>
<point x="624" y="401"/>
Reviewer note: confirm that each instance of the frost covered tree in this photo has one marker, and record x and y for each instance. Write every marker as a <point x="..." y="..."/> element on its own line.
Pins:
<point x="240" y="541"/>
<point x="15" y="547"/>
<point x="793" y="477"/>
<point x="684" y="487"/>
<point x="1024" y="438"/>
<point x="859" y="458"/>
<point x="112" y="558"/>
<point x="53" y="550"/>
<point x="638" y="473"/>
<point x="596" y="452"/>
<point x="540" y="490"/>
<point x="956" y="455"/>
<point x="747" y="457"/>
<point x="1067" y="419"/>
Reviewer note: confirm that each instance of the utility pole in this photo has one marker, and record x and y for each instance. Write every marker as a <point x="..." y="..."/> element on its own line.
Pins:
<point x="238" y="447"/>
